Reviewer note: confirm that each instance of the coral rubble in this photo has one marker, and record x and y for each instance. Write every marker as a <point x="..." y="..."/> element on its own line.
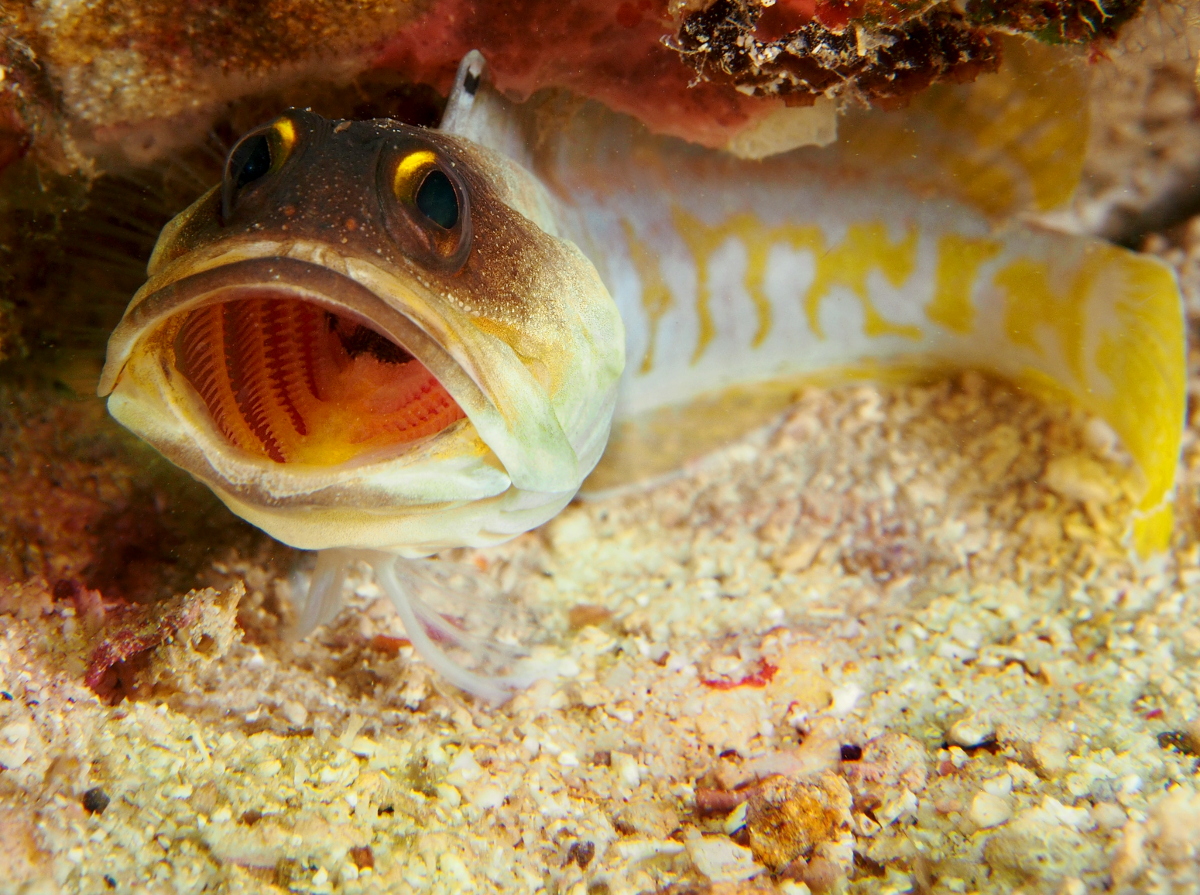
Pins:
<point x="883" y="62"/>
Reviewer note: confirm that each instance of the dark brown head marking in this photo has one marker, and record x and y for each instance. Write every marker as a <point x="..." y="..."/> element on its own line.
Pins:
<point x="319" y="175"/>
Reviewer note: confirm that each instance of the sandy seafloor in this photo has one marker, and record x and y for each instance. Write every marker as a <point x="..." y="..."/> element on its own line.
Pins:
<point x="897" y="636"/>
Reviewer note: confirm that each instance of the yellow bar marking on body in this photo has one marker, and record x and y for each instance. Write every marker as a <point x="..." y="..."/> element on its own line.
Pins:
<point x="849" y="263"/>
<point x="958" y="261"/>
<point x="656" y="296"/>
<point x="408" y="166"/>
<point x="865" y="248"/>
<point x="1032" y="302"/>
<point x="703" y="240"/>
<point x="756" y="274"/>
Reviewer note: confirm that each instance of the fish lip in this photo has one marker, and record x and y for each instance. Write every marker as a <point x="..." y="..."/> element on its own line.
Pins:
<point x="300" y="279"/>
<point x="304" y="280"/>
<point x="369" y="493"/>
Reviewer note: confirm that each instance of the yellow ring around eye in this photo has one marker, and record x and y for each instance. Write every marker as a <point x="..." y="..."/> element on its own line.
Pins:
<point x="410" y="165"/>
<point x="285" y="131"/>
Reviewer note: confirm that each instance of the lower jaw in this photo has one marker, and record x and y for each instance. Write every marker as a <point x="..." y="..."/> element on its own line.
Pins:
<point x="291" y="381"/>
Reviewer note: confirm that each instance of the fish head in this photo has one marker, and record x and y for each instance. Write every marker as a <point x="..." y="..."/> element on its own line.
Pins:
<point x="371" y="335"/>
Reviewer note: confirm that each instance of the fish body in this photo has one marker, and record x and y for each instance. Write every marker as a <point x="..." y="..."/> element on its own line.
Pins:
<point x="379" y="341"/>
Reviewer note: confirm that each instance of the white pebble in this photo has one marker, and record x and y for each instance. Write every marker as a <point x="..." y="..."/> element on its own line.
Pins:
<point x="988" y="810"/>
<point x="1109" y="816"/>
<point x="294" y="712"/>
<point x="1081" y="478"/>
<point x="14" y="742"/>
<point x="626" y="769"/>
<point x="844" y="699"/>
<point x="720" y="859"/>
<point x="448" y="795"/>
<point x="568" y="759"/>
<point x="1001" y="785"/>
<point x="486" y="797"/>
<point x="969" y="732"/>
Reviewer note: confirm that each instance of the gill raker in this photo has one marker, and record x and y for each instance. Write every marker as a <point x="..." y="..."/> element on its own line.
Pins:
<point x="897" y="251"/>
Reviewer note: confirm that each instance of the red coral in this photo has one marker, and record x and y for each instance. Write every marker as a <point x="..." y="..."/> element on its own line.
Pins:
<point x="125" y="650"/>
<point x="388" y="645"/>
<point x="90" y="605"/>
<point x="610" y="52"/>
<point x="762" y="677"/>
<point x="837" y="14"/>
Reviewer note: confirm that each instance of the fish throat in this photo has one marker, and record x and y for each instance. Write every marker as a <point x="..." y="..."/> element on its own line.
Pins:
<point x="295" y="382"/>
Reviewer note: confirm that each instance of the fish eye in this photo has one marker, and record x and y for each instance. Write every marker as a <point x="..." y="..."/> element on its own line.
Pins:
<point x="258" y="154"/>
<point x="437" y="200"/>
<point x="252" y="159"/>
<point x="429" y="210"/>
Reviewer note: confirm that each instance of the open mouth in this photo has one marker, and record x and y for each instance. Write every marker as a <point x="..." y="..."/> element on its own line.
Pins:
<point x="292" y="381"/>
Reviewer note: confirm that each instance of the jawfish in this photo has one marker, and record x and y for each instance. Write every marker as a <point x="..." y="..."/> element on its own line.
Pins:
<point x="379" y="341"/>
